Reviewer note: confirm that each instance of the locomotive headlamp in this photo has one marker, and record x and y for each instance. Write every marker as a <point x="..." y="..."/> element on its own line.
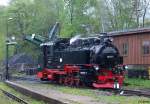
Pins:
<point x="111" y="39"/>
<point x="96" y="67"/>
<point x="60" y="60"/>
<point x="126" y="67"/>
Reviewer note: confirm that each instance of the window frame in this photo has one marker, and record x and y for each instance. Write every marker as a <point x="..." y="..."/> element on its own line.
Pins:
<point x="125" y="48"/>
<point x="145" y="49"/>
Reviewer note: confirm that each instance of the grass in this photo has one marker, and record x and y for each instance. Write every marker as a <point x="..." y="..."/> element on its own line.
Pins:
<point x="137" y="83"/>
<point x="124" y="100"/>
<point x="26" y="98"/>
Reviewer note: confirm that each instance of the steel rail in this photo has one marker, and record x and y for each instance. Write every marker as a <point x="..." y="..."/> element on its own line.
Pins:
<point x="14" y="97"/>
<point x="129" y="92"/>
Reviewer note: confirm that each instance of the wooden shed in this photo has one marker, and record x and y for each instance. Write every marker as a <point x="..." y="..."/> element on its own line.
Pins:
<point x="134" y="45"/>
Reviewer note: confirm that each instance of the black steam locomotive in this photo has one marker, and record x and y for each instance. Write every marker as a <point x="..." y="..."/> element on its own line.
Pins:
<point x="92" y="61"/>
<point x="92" y="50"/>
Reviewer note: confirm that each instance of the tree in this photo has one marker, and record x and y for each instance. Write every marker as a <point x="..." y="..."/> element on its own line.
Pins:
<point x="119" y="13"/>
<point x="140" y="9"/>
<point x="79" y="16"/>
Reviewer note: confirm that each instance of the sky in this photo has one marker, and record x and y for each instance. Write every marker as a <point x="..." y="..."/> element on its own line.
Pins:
<point x="4" y="2"/>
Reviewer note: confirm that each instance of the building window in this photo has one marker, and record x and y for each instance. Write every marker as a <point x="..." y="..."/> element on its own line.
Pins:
<point x="125" y="48"/>
<point x="146" y="47"/>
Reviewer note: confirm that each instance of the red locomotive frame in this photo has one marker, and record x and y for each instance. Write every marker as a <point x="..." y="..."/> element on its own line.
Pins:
<point x="105" y="79"/>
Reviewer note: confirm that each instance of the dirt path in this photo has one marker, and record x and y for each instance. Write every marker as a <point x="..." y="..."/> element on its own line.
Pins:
<point x="58" y="95"/>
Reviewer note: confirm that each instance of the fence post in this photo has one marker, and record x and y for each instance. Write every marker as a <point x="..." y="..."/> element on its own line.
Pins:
<point x="149" y="72"/>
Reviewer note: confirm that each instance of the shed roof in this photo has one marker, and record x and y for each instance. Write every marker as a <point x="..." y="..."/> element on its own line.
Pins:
<point x="129" y="32"/>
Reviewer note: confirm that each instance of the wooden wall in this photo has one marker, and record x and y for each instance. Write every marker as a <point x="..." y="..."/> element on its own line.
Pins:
<point x="135" y="54"/>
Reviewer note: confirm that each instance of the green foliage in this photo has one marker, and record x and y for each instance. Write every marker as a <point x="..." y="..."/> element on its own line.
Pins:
<point x="79" y="16"/>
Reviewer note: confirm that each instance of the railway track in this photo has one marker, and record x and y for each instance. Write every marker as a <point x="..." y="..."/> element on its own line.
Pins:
<point x="129" y="92"/>
<point x="14" y="97"/>
<point x="35" y="95"/>
<point x="123" y="92"/>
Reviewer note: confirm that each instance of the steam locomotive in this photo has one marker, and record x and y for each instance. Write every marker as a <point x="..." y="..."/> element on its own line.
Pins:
<point x="90" y="61"/>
